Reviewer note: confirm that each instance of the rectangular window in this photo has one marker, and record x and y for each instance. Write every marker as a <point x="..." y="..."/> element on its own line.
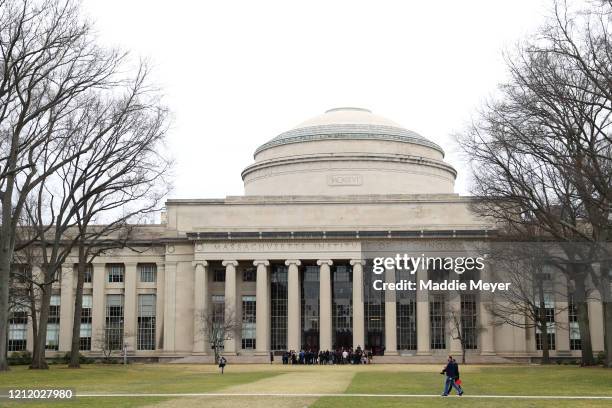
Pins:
<point x="115" y="273"/>
<point x="469" y="321"/>
<point x="218" y="314"/>
<point x="88" y="273"/>
<point x="309" y="312"/>
<point x="113" y="334"/>
<point x="342" y="306"/>
<point x="406" y="312"/>
<point x="146" y="322"/>
<point x="85" y="336"/>
<point x="18" y="329"/>
<point x="21" y="272"/>
<point x="574" y="329"/>
<point x="53" y="323"/>
<point x="249" y="274"/>
<point x="278" y="307"/>
<point x="549" y="313"/>
<point x="248" y="322"/>
<point x="374" y="312"/>
<point x="88" y="276"/>
<point x="218" y="274"/>
<point x="437" y="322"/>
<point x="148" y="272"/>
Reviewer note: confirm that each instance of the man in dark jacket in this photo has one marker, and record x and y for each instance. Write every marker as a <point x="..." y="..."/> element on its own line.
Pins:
<point x="451" y="372"/>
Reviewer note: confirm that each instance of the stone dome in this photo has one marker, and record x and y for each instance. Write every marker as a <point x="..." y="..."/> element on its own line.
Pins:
<point x="348" y="151"/>
<point x="348" y="123"/>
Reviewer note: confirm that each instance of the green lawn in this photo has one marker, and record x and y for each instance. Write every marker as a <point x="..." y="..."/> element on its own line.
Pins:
<point x="491" y="380"/>
<point x="373" y="379"/>
<point x="135" y="378"/>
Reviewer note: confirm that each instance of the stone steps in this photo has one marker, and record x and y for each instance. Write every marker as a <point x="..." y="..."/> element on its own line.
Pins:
<point x="434" y="359"/>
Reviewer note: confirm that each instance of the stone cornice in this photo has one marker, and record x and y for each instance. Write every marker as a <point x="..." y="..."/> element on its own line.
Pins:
<point x="323" y="199"/>
<point x="350" y="157"/>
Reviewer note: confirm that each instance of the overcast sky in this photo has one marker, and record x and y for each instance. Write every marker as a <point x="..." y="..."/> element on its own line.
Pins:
<point x="237" y="73"/>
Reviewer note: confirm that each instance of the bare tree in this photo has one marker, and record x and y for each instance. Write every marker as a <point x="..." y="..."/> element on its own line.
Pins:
<point x="540" y="150"/>
<point x="217" y="327"/>
<point x="111" y="343"/>
<point x="461" y="330"/>
<point x="121" y="180"/>
<point x="48" y="59"/>
<point x="531" y="272"/>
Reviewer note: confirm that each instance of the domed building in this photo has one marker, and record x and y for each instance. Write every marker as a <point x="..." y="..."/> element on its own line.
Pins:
<point x="290" y="261"/>
<point x="348" y="151"/>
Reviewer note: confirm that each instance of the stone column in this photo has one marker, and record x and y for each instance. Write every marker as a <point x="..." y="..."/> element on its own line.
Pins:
<point x="130" y="308"/>
<point x="487" y="334"/>
<point x="170" y="306"/>
<point x="325" y="304"/>
<point x="422" y="312"/>
<point x="262" y="316"/>
<point x="159" y="307"/>
<point x="231" y="303"/>
<point x="98" y="310"/>
<point x="358" y="305"/>
<point x="294" y="318"/>
<point x="200" y="304"/>
<point x="66" y="307"/>
<point x="390" y="316"/>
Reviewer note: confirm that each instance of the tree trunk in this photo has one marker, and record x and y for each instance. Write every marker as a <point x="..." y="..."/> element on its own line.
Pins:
<point x="34" y="318"/>
<point x="608" y="333"/>
<point x="78" y="308"/>
<point x="582" y="310"/>
<point x="606" y="298"/>
<point x="6" y="257"/>
<point x="5" y="270"/>
<point x="542" y="323"/>
<point x="39" y="360"/>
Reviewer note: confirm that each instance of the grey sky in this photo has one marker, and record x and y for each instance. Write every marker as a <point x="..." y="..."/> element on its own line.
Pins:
<point x="237" y="73"/>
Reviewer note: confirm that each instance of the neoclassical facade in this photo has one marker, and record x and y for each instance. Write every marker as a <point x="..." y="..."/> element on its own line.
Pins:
<point x="290" y="260"/>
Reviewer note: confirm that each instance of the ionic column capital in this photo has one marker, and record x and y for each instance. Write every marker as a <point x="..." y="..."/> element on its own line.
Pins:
<point x="229" y="263"/>
<point x="354" y="262"/>
<point x="295" y="262"/>
<point x="263" y="262"/>
<point x="327" y="262"/>
<point x="196" y="263"/>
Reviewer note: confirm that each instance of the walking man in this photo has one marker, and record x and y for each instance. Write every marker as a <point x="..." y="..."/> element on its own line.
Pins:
<point x="222" y="362"/>
<point x="451" y="372"/>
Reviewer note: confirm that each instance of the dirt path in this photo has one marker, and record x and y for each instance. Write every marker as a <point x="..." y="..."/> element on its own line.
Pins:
<point x="302" y="381"/>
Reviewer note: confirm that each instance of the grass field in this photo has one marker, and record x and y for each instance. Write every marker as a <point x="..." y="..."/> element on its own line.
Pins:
<point x="317" y="384"/>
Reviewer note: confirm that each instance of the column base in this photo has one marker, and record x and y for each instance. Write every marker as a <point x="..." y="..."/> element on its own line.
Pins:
<point x="262" y="353"/>
<point x="200" y="353"/>
<point x="488" y="353"/>
<point x="423" y="353"/>
<point x="391" y="353"/>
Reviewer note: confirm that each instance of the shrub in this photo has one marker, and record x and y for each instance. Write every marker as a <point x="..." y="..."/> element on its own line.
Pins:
<point x="601" y="357"/>
<point x="82" y="359"/>
<point x="20" y="358"/>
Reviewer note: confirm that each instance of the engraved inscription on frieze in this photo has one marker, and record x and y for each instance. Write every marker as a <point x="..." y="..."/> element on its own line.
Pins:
<point x="344" y="180"/>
